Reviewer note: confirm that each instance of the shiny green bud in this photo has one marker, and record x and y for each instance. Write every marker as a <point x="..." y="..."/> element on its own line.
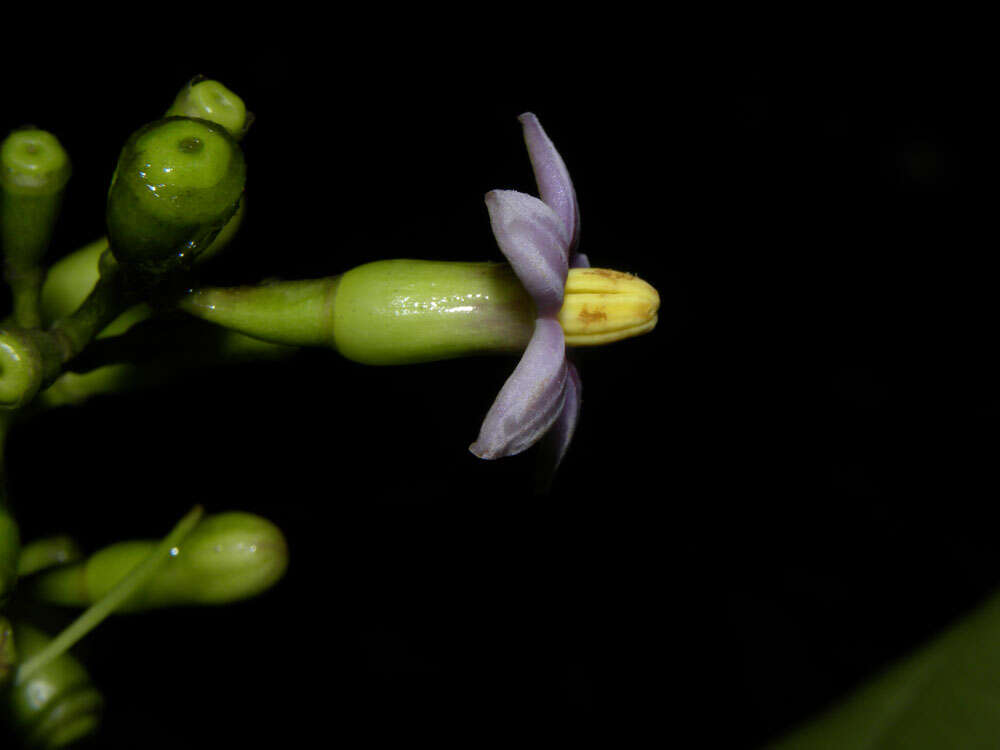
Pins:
<point x="178" y="182"/>
<point x="210" y="100"/>
<point x="57" y="705"/>
<point x="226" y="558"/>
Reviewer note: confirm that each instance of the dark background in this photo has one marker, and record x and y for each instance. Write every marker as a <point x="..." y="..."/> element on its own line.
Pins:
<point x="785" y="486"/>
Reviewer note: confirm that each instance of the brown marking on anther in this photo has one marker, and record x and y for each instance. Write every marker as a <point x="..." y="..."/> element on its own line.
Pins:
<point x="588" y="316"/>
<point x="608" y="273"/>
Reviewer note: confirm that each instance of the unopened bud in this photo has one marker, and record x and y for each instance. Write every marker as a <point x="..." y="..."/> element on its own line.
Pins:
<point x="227" y="557"/>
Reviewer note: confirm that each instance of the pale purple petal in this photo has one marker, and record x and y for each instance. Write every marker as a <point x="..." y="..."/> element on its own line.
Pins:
<point x="532" y="398"/>
<point x="557" y="439"/>
<point x="579" y="260"/>
<point x="554" y="183"/>
<point x="534" y="241"/>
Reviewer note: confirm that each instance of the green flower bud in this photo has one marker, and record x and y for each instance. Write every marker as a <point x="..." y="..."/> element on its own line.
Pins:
<point x="227" y="557"/>
<point x="34" y="169"/>
<point x="178" y="182"/>
<point x="21" y="367"/>
<point x="46" y="553"/>
<point x="57" y="705"/>
<point x="210" y="100"/>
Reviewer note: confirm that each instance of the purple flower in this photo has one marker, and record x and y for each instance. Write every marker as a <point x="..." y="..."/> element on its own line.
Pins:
<point x="539" y="239"/>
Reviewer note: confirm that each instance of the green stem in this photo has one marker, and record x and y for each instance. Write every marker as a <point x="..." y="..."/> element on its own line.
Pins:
<point x="31" y="359"/>
<point x="203" y="347"/>
<point x="128" y="586"/>
<point x="26" y="289"/>
<point x="106" y="301"/>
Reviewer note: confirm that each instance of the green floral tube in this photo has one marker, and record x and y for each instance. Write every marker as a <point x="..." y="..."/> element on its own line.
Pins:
<point x="386" y="312"/>
<point x="226" y="558"/>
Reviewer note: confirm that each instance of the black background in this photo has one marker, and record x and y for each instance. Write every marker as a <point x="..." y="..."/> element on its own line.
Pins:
<point x="786" y="485"/>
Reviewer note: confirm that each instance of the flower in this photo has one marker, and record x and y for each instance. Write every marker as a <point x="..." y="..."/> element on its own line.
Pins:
<point x="539" y="238"/>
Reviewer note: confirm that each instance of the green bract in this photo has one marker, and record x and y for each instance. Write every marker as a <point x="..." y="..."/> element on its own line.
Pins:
<point x="178" y="181"/>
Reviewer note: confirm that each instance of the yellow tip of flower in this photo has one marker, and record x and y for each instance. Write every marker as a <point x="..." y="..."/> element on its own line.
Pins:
<point x="602" y="306"/>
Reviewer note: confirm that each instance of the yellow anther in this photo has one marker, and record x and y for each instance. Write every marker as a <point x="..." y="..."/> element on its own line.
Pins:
<point x="602" y="306"/>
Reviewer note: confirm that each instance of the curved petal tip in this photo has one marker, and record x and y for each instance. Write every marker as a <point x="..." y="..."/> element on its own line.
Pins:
<point x="531" y="400"/>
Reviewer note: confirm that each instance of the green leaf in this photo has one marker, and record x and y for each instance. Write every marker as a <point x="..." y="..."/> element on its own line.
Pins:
<point x="946" y="695"/>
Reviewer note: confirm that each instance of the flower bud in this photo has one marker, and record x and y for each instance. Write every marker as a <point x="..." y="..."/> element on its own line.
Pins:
<point x="22" y="368"/>
<point x="46" y="553"/>
<point x="178" y="181"/>
<point x="602" y="306"/>
<point x="210" y="100"/>
<point x="34" y="169"/>
<point x="227" y="557"/>
<point x="55" y="706"/>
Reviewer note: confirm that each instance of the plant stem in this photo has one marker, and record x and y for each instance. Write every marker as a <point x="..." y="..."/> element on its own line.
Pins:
<point x="106" y="301"/>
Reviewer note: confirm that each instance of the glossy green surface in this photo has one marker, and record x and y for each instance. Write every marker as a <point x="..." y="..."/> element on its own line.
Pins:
<point x="210" y="100"/>
<point x="178" y="182"/>
<point x="404" y="311"/>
